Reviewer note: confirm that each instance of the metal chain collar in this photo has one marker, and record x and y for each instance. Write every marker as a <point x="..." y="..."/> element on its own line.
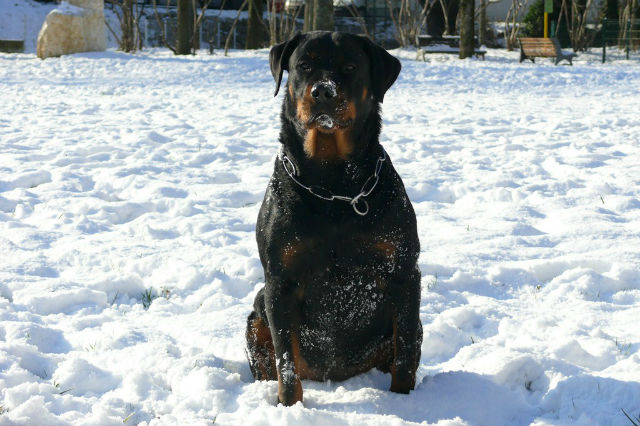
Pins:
<point x="359" y="204"/>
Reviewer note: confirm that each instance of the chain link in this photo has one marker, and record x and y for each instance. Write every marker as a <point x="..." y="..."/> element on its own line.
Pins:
<point x="358" y="203"/>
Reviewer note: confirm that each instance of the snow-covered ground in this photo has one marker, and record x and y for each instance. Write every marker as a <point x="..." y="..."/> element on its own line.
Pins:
<point x="125" y="175"/>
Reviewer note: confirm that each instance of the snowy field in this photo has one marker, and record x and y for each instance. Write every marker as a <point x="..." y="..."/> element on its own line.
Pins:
<point x="129" y="190"/>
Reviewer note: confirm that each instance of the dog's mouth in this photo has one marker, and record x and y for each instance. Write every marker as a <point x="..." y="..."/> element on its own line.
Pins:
<point x="324" y="121"/>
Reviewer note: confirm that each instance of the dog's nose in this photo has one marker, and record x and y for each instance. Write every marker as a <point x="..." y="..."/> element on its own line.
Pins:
<point x="324" y="91"/>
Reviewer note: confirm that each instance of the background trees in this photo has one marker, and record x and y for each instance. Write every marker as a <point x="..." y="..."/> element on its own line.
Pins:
<point x="128" y="12"/>
<point x="261" y="23"/>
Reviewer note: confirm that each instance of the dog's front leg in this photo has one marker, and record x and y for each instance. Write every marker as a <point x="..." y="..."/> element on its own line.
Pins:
<point x="281" y="307"/>
<point x="407" y="336"/>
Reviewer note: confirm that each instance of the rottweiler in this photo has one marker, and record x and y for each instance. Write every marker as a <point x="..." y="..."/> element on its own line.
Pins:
<point x="336" y="231"/>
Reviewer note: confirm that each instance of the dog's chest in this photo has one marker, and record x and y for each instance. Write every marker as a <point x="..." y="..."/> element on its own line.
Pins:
<point x="342" y="307"/>
<point x="343" y="298"/>
<point x="342" y="284"/>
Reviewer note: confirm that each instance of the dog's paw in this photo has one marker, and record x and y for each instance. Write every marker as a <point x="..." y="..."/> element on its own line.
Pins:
<point x="288" y="395"/>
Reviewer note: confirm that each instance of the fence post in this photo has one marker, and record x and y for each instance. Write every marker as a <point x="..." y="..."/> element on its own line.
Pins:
<point x="604" y="40"/>
<point x="217" y="33"/>
<point x="628" y="37"/>
<point x="166" y="34"/>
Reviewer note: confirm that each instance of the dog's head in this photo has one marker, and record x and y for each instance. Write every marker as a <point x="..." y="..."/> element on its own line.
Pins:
<point x="335" y="81"/>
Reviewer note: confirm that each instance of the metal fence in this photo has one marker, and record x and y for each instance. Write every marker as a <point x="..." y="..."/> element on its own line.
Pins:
<point x="377" y="17"/>
<point x="624" y="35"/>
<point x="213" y="32"/>
<point x="361" y="16"/>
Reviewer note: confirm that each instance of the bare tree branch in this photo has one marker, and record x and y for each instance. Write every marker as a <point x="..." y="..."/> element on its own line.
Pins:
<point x="511" y="29"/>
<point x="163" y="33"/>
<point x="197" y="22"/>
<point x="118" y="40"/>
<point x="445" y="12"/>
<point x="235" y="22"/>
<point x="128" y="16"/>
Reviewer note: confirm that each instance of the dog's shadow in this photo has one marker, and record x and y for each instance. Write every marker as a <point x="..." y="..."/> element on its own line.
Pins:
<point x="474" y="398"/>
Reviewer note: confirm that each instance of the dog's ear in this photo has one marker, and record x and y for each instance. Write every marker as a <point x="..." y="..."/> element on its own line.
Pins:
<point x="279" y="58"/>
<point x="384" y="68"/>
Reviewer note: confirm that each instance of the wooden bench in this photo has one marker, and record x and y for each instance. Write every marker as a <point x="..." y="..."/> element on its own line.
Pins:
<point x="531" y="48"/>
<point x="12" y="46"/>
<point x="445" y="44"/>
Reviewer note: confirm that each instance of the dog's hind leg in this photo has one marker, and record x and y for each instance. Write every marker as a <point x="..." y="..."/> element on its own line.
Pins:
<point x="260" y="352"/>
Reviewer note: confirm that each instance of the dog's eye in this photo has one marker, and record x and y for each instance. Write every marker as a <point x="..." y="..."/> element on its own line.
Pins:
<point x="349" y="68"/>
<point x="304" y="66"/>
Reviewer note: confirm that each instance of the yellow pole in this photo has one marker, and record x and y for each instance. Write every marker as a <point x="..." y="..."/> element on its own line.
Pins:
<point x="546" y="25"/>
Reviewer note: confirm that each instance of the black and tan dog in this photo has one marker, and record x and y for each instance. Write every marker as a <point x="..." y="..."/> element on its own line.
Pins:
<point x="336" y="231"/>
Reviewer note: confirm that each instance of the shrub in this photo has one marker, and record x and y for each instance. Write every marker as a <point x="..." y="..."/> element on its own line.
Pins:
<point x="534" y="20"/>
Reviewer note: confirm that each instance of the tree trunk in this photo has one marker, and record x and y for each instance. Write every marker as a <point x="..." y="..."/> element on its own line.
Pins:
<point x="611" y="10"/>
<point x="308" y="16"/>
<point x="483" y="23"/>
<point x="323" y="15"/>
<point x="127" y="44"/>
<point x="577" y="6"/>
<point x="185" y="27"/>
<point x="466" y="28"/>
<point x="634" y="15"/>
<point x="256" y="35"/>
